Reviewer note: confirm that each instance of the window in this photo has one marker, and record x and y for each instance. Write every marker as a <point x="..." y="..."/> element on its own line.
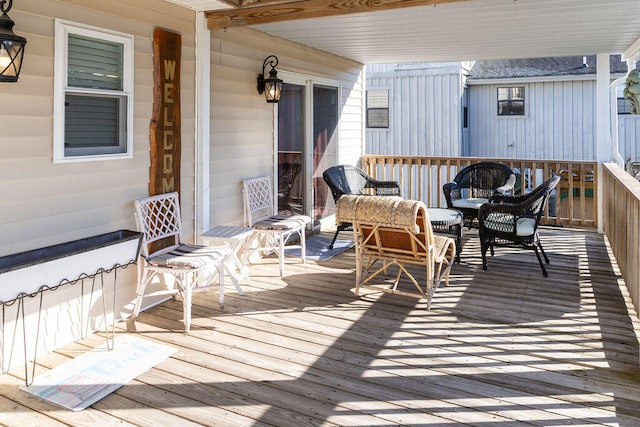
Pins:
<point x="377" y="108"/>
<point x="93" y="112"/>
<point x="624" y="105"/>
<point x="511" y="101"/>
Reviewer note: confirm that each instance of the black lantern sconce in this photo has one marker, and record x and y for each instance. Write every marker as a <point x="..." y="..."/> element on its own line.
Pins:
<point x="11" y="46"/>
<point x="271" y="86"/>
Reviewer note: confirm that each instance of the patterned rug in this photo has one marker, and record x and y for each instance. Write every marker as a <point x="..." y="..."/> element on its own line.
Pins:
<point x="318" y="248"/>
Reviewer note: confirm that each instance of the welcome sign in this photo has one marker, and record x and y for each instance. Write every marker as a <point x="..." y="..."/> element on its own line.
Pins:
<point x="165" y="122"/>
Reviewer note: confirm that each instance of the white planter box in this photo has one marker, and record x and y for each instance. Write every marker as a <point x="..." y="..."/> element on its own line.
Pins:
<point x="29" y="272"/>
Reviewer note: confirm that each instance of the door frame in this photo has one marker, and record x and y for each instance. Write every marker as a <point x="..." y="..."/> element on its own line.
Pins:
<point x="308" y="81"/>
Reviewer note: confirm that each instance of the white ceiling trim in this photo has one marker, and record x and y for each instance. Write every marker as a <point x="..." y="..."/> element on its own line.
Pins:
<point x="469" y="30"/>
<point x="632" y="55"/>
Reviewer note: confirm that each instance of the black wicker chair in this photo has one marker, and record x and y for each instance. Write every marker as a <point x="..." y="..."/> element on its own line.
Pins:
<point x="473" y="186"/>
<point x="346" y="179"/>
<point x="512" y="221"/>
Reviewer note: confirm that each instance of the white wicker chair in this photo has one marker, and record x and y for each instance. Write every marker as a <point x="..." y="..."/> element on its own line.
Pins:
<point x="183" y="268"/>
<point x="271" y="231"/>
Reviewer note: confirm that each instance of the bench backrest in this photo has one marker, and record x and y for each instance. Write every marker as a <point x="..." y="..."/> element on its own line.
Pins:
<point x="388" y="225"/>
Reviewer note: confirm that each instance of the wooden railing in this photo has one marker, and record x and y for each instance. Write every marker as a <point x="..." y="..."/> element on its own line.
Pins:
<point x="574" y="203"/>
<point x="621" y="210"/>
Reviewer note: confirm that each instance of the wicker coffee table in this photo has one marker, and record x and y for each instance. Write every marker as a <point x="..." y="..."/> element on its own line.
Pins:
<point x="448" y="222"/>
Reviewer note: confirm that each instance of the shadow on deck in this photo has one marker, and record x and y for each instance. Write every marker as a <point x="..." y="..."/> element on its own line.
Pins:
<point x="499" y="347"/>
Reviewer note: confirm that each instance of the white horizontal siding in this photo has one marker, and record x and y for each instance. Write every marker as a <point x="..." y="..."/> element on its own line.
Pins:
<point x="69" y="201"/>
<point x="242" y="123"/>
<point x="45" y="203"/>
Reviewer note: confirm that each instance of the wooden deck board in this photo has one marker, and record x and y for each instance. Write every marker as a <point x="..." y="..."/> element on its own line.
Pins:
<point x="500" y="347"/>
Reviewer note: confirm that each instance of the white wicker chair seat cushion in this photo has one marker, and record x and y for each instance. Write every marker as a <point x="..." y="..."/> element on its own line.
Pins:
<point x="189" y="256"/>
<point x="279" y="222"/>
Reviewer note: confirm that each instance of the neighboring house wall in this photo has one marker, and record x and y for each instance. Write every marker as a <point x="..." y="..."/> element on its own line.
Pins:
<point x="629" y="137"/>
<point x="559" y="121"/>
<point x="242" y="137"/>
<point x="425" y="109"/>
<point x="426" y="116"/>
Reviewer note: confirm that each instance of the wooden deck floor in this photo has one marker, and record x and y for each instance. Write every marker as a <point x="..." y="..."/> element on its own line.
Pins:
<point x="498" y="348"/>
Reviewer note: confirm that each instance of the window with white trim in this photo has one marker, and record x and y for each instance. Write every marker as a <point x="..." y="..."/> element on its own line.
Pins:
<point x="511" y="101"/>
<point x="93" y="112"/>
<point x="378" y="108"/>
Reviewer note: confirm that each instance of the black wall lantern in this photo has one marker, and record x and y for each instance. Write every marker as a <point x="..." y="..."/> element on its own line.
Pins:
<point x="11" y="46"/>
<point x="272" y="85"/>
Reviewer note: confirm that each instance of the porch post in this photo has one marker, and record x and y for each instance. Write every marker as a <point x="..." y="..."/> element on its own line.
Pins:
<point x="203" y="108"/>
<point x="603" y="123"/>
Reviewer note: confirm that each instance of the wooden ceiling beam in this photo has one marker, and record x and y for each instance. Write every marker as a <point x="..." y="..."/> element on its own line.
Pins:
<point x="254" y="12"/>
<point x="253" y="3"/>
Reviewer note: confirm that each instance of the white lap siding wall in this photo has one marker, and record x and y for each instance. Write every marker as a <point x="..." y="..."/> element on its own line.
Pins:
<point x="45" y="203"/>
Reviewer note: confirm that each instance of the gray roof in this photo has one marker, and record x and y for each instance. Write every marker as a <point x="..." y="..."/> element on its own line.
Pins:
<point x="542" y="67"/>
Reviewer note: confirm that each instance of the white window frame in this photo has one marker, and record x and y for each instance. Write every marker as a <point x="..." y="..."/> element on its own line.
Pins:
<point x="366" y="107"/>
<point x="525" y="90"/>
<point x="61" y="89"/>
<point x="308" y="81"/>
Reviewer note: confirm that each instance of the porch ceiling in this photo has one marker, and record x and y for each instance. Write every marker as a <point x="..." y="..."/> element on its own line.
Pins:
<point x="464" y="30"/>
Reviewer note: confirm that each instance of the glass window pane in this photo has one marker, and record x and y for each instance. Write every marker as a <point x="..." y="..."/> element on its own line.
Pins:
<point x="325" y="146"/>
<point x="511" y="101"/>
<point x="94" y="122"/>
<point x="94" y="63"/>
<point x="377" y="99"/>
<point x="378" y="118"/>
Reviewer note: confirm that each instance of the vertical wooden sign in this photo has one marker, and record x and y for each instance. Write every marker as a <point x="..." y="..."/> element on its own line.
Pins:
<point x="164" y="132"/>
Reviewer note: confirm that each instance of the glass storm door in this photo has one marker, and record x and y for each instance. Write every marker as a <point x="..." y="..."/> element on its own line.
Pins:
<point x="325" y="146"/>
<point x="307" y="145"/>
<point x="291" y="137"/>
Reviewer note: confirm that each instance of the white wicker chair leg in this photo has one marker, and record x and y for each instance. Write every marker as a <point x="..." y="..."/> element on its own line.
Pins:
<point x="186" y="300"/>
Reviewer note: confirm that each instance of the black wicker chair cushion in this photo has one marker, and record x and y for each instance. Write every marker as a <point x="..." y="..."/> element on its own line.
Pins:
<point x="512" y="221"/>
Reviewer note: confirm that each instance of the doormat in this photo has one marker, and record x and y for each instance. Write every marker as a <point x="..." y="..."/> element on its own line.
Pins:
<point x="84" y="380"/>
<point x="318" y="248"/>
